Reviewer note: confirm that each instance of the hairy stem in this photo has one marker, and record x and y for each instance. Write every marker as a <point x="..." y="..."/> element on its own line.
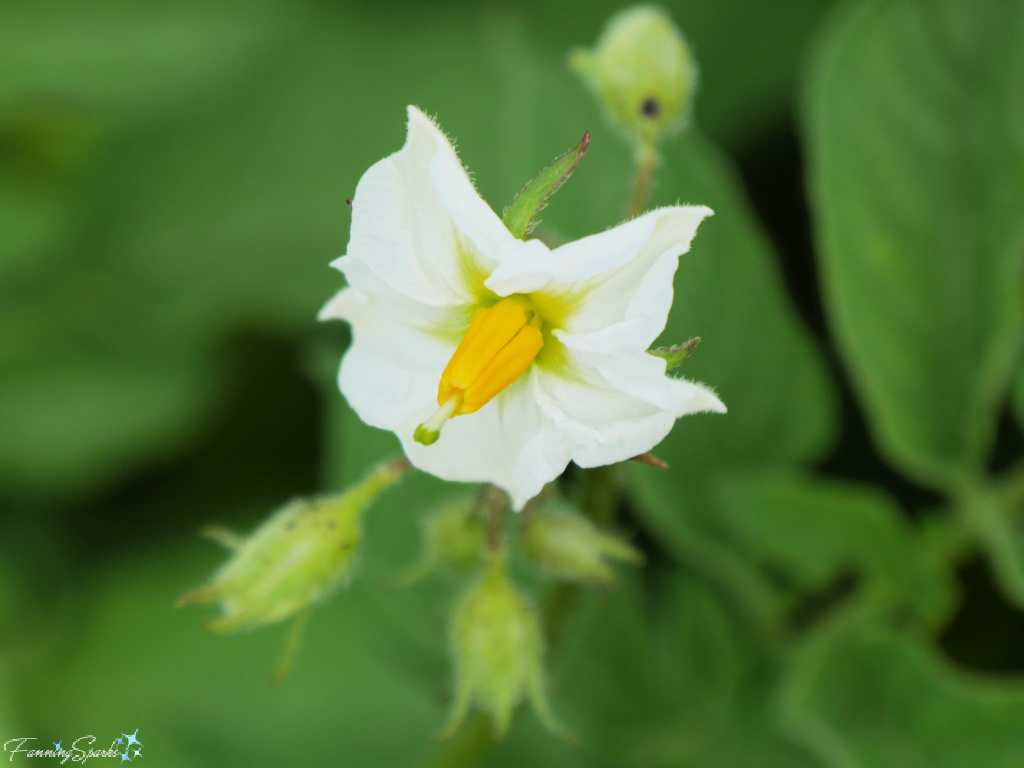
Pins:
<point x="647" y="162"/>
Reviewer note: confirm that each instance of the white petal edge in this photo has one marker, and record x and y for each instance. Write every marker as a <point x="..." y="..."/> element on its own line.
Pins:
<point x="619" y="405"/>
<point x="619" y="277"/>
<point x="394" y="362"/>
<point x="507" y="442"/>
<point x="404" y="233"/>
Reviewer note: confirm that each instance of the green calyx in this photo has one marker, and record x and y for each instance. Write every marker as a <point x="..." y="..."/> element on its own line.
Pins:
<point x="674" y="356"/>
<point x="533" y="197"/>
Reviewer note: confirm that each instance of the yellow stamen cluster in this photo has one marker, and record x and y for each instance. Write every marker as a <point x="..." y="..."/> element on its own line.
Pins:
<point x="497" y="349"/>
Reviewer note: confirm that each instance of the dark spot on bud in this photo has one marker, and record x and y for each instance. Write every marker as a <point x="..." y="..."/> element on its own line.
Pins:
<point x="348" y="203"/>
<point x="650" y="107"/>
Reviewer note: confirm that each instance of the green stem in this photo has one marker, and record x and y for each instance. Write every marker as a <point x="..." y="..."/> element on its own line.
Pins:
<point x="597" y="494"/>
<point x="291" y="647"/>
<point x="470" y="746"/>
<point x="494" y="501"/>
<point x="647" y="162"/>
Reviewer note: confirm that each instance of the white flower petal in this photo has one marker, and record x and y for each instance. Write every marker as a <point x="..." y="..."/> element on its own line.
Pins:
<point x="638" y="374"/>
<point x="574" y="262"/>
<point x="622" y="276"/>
<point x="603" y="425"/>
<point x="394" y="361"/>
<point x="471" y="214"/>
<point x="402" y="231"/>
<point x="507" y="442"/>
<point x="637" y="292"/>
<point x="618" y="404"/>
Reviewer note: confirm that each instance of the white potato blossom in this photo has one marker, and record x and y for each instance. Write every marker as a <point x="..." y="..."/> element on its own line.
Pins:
<point x="495" y="359"/>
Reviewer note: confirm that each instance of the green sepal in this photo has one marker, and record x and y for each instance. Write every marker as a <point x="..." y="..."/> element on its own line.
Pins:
<point x="674" y="356"/>
<point x="534" y="196"/>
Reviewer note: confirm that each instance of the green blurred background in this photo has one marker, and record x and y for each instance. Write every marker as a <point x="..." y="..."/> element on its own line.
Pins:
<point x="835" y="568"/>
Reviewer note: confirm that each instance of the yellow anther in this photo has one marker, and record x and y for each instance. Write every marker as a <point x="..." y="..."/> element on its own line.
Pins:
<point x="497" y="349"/>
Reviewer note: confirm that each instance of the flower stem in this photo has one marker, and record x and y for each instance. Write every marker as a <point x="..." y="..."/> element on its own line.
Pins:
<point x="647" y="162"/>
<point x="597" y="493"/>
<point x="291" y="647"/>
<point x="494" y="502"/>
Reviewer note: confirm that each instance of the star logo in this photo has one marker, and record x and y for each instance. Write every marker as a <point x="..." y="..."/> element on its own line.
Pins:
<point x="128" y="740"/>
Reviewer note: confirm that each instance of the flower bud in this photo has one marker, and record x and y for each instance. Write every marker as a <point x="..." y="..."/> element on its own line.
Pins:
<point x="457" y="536"/>
<point x="642" y="71"/>
<point x="568" y="546"/>
<point x="497" y="644"/>
<point x="455" y="539"/>
<point x="294" y="559"/>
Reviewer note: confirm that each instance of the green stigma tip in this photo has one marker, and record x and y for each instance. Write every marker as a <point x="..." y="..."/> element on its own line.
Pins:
<point x="425" y="436"/>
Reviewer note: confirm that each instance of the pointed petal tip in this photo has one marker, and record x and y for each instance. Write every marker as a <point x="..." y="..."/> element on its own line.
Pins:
<point x="419" y="119"/>
<point x="332" y="309"/>
<point x="415" y="113"/>
<point x="706" y="400"/>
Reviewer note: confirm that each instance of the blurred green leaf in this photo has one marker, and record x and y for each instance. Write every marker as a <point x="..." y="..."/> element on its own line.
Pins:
<point x="127" y="61"/>
<point x="915" y="117"/>
<point x="689" y="689"/>
<point x="729" y="291"/>
<point x="1017" y="393"/>
<point x="816" y="532"/>
<point x="754" y="352"/>
<point x="120" y="657"/>
<point x="74" y="423"/>
<point x="865" y="697"/>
